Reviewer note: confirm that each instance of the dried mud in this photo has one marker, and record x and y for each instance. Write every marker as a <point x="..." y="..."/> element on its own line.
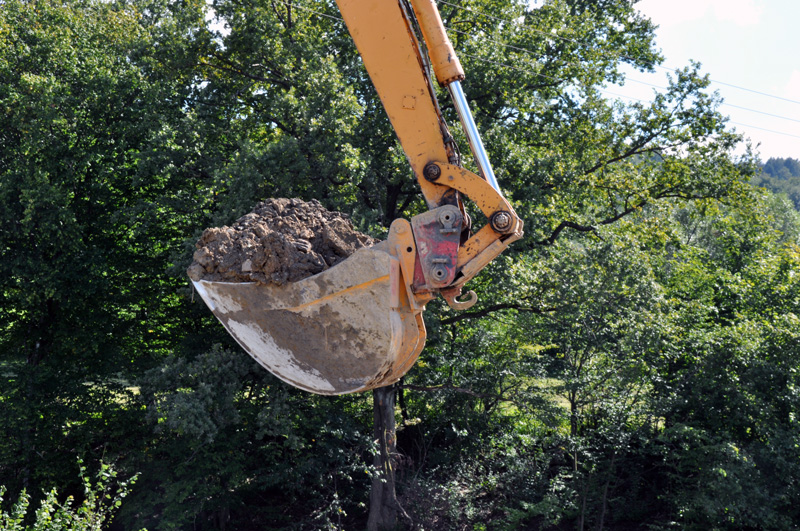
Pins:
<point x="281" y="240"/>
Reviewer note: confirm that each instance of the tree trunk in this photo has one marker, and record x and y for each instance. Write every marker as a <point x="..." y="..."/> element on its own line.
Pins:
<point x="605" y="492"/>
<point x="384" y="509"/>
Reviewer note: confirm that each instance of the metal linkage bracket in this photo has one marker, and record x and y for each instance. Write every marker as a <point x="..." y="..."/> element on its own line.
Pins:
<point x="504" y="225"/>
<point x="438" y="235"/>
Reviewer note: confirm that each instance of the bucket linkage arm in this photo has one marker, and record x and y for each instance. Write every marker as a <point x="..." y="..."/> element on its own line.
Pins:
<point x="446" y="254"/>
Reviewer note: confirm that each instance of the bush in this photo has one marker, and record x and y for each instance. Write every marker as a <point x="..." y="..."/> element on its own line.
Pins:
<point x="100" y="502"/>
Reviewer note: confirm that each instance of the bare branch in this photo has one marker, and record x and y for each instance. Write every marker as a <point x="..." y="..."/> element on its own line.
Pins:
<point x="563" y="225"/>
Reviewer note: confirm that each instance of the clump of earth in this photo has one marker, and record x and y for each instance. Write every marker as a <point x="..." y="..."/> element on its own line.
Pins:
<point x="280" y="241"/>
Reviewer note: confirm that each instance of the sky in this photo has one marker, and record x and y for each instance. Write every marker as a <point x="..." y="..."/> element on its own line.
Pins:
<point x="751" y="51"/>
<point x="741" y="44"/>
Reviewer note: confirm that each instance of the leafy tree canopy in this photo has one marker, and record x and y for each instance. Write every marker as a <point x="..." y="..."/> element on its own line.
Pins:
<point x="631" y="361"/>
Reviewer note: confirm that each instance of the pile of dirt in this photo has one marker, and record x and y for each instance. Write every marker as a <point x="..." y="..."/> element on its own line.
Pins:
<point x="281" y="240"/>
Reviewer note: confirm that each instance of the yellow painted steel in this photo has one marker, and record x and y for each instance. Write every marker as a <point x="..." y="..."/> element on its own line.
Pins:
<point x="446" y="65"/>
<point x="390" y="53"/>
<point x="484" y="246"/>
<point x="391" y="56"/>
<point x="475" y="187"/>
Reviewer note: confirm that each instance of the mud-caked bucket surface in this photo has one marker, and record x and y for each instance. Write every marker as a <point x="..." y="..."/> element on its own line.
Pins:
<point x="308" y="297"/>
<point x="281" y="240"/>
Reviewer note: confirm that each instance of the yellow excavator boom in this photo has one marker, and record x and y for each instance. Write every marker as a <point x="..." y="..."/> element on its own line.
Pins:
<point x="358" y="325"/>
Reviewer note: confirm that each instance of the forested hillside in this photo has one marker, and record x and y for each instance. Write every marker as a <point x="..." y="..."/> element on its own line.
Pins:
<point x="781" y="176"/>
<point x="633" y="361"/>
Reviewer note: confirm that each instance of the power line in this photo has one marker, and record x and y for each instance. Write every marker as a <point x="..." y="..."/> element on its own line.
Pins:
<point x="744" y="88"/>
<point x="671" y="70"/>
<point x="730" y="121"/>
<point x="633" y="80"/>
<point x="624" y="96"/>
<point x="465" y="8"/>
<point x="762" y="112"/>
<point x="724" y="103"/>
<point x="550" y="35"/>
<point x="539" y="74"/>
<point x="511" y="67"/>
<point x="765" y="129"/>
<point x="628" y="78"/>
<point x="574" y="41"/>
<point x="304" y="8"/>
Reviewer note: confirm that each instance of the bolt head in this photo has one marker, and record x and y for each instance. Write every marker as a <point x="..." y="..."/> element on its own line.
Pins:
<point x="501" y="221"/>
<point x="432" y="171"/>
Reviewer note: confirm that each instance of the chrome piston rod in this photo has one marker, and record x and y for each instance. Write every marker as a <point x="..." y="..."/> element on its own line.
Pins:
<point x="471" y="130"/>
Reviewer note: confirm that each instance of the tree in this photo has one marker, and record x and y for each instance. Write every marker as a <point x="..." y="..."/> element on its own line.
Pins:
<point x="725" y="384"/>
<point x="784" y="169"/>
<point x="101" y="501"/>
<point x="781" y="176"/>
<point x="98" y="186"/>
<point x="130" y="126"/>
<point x="384" y="510"/>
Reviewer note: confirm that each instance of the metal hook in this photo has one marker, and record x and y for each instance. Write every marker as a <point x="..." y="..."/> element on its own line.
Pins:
<point x="454" y="303"/>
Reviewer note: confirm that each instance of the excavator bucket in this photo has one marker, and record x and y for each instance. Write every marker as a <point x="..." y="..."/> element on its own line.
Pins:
<point x="350" y="328"/>
<point x="358" y="325"/>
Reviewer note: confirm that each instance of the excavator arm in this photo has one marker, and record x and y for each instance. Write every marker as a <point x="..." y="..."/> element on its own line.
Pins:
<point x="384" y="33"/>
<point x="391" y="55"/>
<point x="359" y="325"/>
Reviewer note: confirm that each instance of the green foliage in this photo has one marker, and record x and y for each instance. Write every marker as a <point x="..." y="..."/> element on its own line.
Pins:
<point x="633" y="361"/>
<point x="728" y="386"/>
<point x="783" y="169"/>
<point x="235" y="445"/>
<point x="94" y="513"/>
<point x="781" y="176"/>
